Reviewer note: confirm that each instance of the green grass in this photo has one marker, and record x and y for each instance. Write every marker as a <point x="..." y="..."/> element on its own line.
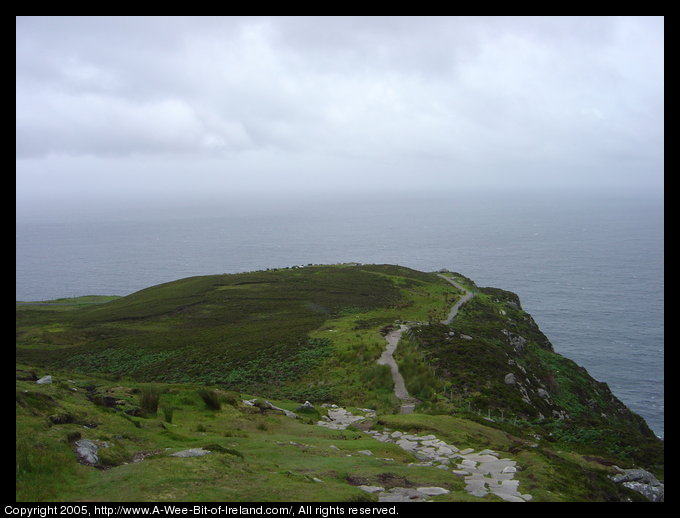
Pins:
<point x="277" y="333"/>
<point x="465" y="373"/>
<point x="256" y="456"/>
<point x="166" y="368"/>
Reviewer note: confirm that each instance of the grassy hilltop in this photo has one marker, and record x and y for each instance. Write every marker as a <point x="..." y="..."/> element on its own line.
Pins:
<point x="167" y="368"/>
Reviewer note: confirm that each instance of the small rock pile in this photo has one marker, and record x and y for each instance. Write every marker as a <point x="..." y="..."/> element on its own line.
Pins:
<point x="339" y="418"/>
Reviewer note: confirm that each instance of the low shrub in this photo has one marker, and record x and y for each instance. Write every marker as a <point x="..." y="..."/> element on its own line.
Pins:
<point x="232" y="398"/>
<point x="168" y="411"/>
<point x="211" y="398"/>
<point x="148" y="401"/>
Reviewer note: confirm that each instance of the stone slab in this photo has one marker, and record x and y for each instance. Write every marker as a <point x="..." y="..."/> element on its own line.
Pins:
<point x="432" y="491"/>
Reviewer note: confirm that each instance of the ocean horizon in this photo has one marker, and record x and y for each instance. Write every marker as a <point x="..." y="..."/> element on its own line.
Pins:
<point x="589" y="268"/>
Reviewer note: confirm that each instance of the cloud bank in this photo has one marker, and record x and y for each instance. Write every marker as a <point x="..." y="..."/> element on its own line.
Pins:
<point x="126" y="106"/>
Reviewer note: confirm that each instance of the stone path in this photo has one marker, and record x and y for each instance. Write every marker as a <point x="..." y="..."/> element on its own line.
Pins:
<point x="484" y="471"/>
<point x="339" y="418"/>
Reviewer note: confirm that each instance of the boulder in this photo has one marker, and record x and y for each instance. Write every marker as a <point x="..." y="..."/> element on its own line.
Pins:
<point x="86" y="451"/>
<point x="509" y="379"/>
<point x="643" y="482"/>
<point x="45" y="380"/>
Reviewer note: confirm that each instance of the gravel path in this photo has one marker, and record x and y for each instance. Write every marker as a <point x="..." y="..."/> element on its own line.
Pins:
<point x="408" y="402"/>
<point x="454" y="310"/>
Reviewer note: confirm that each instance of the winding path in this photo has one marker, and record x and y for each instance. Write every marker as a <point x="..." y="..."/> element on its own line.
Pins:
<point x="454" y="310"/>
<point x="408" y="402"/>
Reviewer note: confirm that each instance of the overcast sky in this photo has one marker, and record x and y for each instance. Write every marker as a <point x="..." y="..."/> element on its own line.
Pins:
<point x="182" y="107"/>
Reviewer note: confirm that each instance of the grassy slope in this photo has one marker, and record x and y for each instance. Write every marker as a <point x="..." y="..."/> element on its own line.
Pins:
<point x="257" y="456"/>
<point x="494" y="337"/>
<point x="311" y="333"/>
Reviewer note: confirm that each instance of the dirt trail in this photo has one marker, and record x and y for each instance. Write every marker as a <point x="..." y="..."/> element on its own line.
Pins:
<point x="454" y="310"/>
<point x="408" y="402"/>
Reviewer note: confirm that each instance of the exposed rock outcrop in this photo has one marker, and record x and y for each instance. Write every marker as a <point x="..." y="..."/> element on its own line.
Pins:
<point x="642" y="481"/>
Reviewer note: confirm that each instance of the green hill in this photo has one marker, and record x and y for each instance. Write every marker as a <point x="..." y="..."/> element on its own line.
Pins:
<point x="196" y="347"/>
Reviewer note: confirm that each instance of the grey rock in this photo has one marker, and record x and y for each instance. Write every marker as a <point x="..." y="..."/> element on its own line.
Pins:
<point x="476" y="487"/>
<point x="488" y="452"/>
<point x="371" y="489"/>
<point x="508" y="497"/>
<point x="483" y="472"/>
<point x="651" y="493"/>
<point x="432" y="491"/>
<point x="406" y="444"/>
<point x="509" y="379"/>
<point x="45" y="380"/>
<point x="193" y="452"/>
<point x="518" y="342"/>
<point x="444" y="450"/>
<point x="402" y="494"/>
<point x="339" y="418"/>
<point x="283" y="410"/>
<point x="478" y="457"/>
<point x="86" y="451"/>
<point x="636" y="475"/>
<point x="643" y="482"/>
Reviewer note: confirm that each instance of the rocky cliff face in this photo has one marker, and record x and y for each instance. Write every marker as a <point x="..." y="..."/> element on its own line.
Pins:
<point x="494" y="360"/>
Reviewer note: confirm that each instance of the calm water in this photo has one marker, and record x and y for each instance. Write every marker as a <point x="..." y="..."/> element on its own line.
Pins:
<point x="588" y="268"/>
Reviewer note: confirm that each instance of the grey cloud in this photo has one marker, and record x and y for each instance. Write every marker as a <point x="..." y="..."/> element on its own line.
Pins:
<point x="438" y="100"/>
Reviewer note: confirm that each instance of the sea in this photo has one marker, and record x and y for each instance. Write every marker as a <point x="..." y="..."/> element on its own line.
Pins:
<point x="588" y="266"/>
